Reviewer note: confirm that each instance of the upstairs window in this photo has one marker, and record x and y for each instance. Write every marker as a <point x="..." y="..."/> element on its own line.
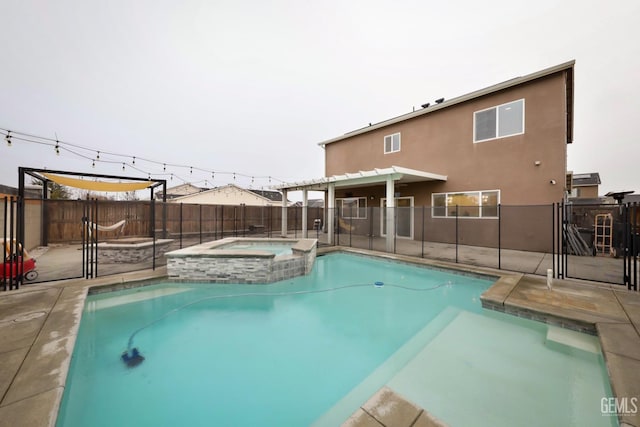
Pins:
<point x="499" y="122"/>
<point x="392" y="143"/>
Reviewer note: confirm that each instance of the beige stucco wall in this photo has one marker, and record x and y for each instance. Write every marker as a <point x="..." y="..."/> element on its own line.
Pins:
<point x="32" y="219"/>
<point x="442" y="142"/>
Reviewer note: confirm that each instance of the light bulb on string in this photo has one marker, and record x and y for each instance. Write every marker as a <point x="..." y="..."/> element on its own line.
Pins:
<point x="234" y="176"/>
<point x="134" y="160"/>
<point x="164" y="167"/>
<point x="93" y="163"/>
<point x="123" y="166"/>
<point x="98" y="155"/>
<point x="57" y="148"/>
<point x="8" y="138"/>
<point x="171" y="177"/>
<point x="191" y="170"/>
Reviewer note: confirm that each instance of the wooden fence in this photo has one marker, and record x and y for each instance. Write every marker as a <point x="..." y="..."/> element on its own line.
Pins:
<point x="63" y="219"/>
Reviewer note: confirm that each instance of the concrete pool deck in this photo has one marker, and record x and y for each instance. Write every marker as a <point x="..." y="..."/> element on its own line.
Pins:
<point x="39" y="323"/>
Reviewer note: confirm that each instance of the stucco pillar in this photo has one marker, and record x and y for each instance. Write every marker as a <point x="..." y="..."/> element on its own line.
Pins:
<point x="331" y="205"/>
<point x="283" y="232"/>
<point x="391" y="221"/>
<point x="305" y="200"/>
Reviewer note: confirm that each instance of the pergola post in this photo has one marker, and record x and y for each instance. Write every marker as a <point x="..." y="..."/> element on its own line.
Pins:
<point x="285" y="224"/>
<point x="331" y="201"/>
<point x="391" y="223"/>
<point x="305" y="202"/>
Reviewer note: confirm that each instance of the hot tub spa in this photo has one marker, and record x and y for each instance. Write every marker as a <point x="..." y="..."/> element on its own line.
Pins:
<point x="131" y="249"/>
<point x="243" y="260"/>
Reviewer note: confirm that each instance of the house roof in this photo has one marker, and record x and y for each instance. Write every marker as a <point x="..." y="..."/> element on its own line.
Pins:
<point x="269" y="195"/>
<point x="567" y="66"/>
<point x="364" y="178"/>
<point x="585" y="179"/>
<point x="274" y="196"/>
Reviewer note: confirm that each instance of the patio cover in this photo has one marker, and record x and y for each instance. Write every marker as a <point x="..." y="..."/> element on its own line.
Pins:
<point x="362" y="178"/>
<point x="387" y="176"/>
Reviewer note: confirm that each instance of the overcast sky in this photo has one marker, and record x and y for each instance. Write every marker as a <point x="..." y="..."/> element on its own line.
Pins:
<point x="252" y="87"/>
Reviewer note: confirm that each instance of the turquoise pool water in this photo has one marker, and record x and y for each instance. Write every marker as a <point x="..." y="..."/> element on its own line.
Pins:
<point x="282" y="356"/>
<point x="275" y="248"/>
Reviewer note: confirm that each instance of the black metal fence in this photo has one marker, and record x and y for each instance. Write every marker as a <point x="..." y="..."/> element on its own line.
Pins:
<point x="80" y="238"/>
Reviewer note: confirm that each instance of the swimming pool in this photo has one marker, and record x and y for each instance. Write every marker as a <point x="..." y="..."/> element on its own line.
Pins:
<point x="312" y="349"/>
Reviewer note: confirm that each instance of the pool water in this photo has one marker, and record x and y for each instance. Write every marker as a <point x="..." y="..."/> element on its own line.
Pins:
<point x="295" y="359"/>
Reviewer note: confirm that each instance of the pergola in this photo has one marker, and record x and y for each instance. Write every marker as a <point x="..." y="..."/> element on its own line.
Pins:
<point x="388" y="176"/>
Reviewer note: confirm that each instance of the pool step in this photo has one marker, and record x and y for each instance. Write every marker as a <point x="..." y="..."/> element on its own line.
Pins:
<point x="383" y="373"/>
<point x="568" y="338"/>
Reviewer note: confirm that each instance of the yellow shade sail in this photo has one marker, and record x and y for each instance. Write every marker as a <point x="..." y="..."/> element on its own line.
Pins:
<point x="97" y="185"/>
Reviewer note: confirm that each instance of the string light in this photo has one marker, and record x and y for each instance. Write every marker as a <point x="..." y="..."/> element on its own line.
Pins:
<point x="96" y="156"/>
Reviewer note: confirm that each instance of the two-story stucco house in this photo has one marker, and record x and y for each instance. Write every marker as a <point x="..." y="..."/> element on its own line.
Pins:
<point x="502" y="145"/>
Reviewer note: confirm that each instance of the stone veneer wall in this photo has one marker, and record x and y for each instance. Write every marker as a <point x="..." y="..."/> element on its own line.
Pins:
<point x="227" y="268"/>
<point x="131" y="253"/>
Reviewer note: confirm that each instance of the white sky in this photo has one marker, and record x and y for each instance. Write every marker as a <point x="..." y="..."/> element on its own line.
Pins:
<point x="252" y="87"/>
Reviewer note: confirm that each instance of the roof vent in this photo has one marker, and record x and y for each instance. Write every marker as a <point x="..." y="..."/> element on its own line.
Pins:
<point x="439" y="100"/>
<point x="425" y="105"/>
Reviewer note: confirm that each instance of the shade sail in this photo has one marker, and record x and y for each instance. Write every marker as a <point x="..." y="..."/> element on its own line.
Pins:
<point x="97" y="185"/>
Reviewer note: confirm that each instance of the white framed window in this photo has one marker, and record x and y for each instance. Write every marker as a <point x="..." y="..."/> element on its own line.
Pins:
<point x="499" y="122"/>
<point x="466" y="204"/>
<point x="352" y="207"/>
<point x="392" y="143"/>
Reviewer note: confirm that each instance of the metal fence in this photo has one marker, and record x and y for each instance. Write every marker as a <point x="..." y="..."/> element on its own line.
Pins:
<point x="82" y="238"/>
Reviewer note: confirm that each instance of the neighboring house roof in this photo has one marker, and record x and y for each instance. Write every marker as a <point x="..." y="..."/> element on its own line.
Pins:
<point x="631" y="198"/>
<point x="586" y="179"/>
<point x="182" y="190"/>
<point x="274" y="196"/>
<point x="265" y="197"/>
<point x="312" y="203"/>
<point x="30" y="191"/>
<point x="589" y="201"/>
<point x="567" y="66"/>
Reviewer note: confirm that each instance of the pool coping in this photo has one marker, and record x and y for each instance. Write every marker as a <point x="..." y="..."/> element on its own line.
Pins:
<point x="41" y="323"/>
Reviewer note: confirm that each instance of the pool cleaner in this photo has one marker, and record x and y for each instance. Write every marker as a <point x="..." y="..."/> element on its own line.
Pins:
<point x="132" y="360"/>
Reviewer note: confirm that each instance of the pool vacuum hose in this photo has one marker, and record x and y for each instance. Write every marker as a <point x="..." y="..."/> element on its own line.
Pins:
<point x="132" y="357"/>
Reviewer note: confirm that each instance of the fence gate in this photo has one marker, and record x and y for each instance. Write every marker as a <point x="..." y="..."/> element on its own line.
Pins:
<point x="89" y="239"/>
<point x="13" y="252"/>
<point x="598" y="243"/>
